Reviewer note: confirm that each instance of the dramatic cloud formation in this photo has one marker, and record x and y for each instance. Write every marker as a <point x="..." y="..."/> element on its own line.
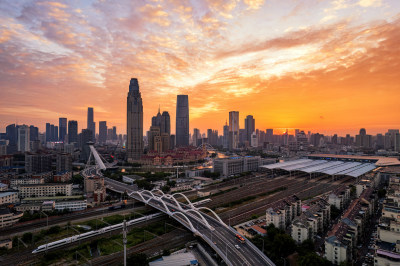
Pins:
<point x="330" y="66"/>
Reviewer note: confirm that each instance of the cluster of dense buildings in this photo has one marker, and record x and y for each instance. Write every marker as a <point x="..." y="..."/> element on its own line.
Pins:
<point x="387" y="247"/>
<point x="342" y="241"/>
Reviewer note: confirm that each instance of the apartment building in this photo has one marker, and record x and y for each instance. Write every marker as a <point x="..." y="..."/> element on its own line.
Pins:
<point x="281" y="213"/>
<point x="45" y="190"/>
<point x="8" y="197"/>
<point x="312" y="221"/>
<point x="340" y="197"/>
<point x="8" y="218"/>
<point x="387" y="250"/>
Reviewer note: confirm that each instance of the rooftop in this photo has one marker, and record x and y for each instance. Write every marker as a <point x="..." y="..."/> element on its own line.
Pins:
<point x="378" y="160"/>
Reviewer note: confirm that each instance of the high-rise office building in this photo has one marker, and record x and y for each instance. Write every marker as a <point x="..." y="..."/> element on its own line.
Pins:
<point x="55" y="133"/>
<point x="182" y="121"/>
<point x="233" y="130"/>
<point x="102" y="132"/>
<point x="72" y="131"/>
<point x="33" y="133"/>
<point x="166" y="123"/>
<point x="226" y="135"/>
<point x="23" y="138"/>
<point x="250" y="127"/>
<point x="159" y="134"/>
<point x="114" y="133"/>
<point x="172" y="142"/>
<point x="91" y="125"/>
<point x="84" y="138"/>
<point x="196" y="137"/>
<point x="162" y="121"/>
<point x="62" y="127"/>
<point x="52" y="131"/>
<point x="363" y="140"/>
<point x="48" y="132"/>
<point x="134" y="122"/>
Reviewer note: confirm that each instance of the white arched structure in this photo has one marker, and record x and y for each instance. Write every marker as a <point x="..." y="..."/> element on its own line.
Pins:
<point x="158" y="190"/>
<point x="216" y="215"/>
<point x="140" y="195"/>
<point x="187" y="220"/>
<point x="149" y="192"/>
<point x="201" y="216"/>
<point x="206" y="145"/>
<point x="186" y="198"/>
<point x="172" y="198"/>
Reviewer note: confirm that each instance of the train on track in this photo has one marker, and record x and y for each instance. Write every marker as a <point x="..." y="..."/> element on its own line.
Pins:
<point x="86" y="235"/>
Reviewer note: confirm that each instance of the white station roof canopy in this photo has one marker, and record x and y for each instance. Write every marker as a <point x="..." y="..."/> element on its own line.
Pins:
<point x="354" y="169"/>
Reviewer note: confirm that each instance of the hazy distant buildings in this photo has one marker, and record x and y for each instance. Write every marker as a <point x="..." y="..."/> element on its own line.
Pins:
<point x="85" y="137"/>
<point x="363" y="140"/>
<point x="196" y="137"/>
<point x="134" y="122"/>
<point x="225" y="137"/>
<point x="182" y="121"/>
<point x="62" y="127"/>
<point x="250" y="127"/>
<point x="72" y="131"/>
<point x="23" y="139"/>
<point x="91" y="125"/>
<point x="233" y="130"/>
<point x="103" y="132"/>
<point x="38" y="162"/>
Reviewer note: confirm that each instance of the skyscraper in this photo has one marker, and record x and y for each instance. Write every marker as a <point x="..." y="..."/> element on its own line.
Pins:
<point x="182" y="121"/>
<point x="162" y="121"/>
<point x="72" y="131"/>
<point x="196" y="137"/>
<point x="134" y="122"/>
<point x="226" y="135"/>
<point x="114" y="133"/>
<point x="23" y="139"/>
<point x="34" y="133"/>
<point x="233" y="130"/>
<point x="91" y="125"/>
<point x="62" y="127"/>
<point x="102" y="132"/>
<point x="48" y="132"/>
<point x="249" y="126"/>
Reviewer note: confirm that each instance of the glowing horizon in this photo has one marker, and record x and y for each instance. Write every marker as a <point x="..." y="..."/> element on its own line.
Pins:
<point x="320" y="66"/>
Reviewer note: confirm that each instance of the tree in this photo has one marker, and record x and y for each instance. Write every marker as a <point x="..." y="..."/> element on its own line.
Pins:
<point x="165" y="189"/>
<point x="27" y="237"/>
<point x="283" y="245"/>
<point x="381" y="193"/>
<point x="312" y="259"/>
<point x="139" y="259"/>
<point x="306" y="247"/>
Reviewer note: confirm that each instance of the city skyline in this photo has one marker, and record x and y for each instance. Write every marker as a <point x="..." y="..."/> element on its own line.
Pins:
<point x="322" y="73"/>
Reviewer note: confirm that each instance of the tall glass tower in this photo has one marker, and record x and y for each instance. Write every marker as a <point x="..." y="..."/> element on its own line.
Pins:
<point x="182" y="121"/>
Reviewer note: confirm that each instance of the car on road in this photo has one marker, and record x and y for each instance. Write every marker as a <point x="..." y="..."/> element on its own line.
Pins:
<point x="237" y="247"/>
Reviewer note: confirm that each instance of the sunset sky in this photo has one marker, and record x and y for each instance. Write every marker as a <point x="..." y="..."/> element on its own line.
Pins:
<point x="327" y="66"/>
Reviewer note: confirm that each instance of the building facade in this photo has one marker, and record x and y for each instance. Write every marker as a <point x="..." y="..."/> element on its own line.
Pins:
<point x="182" y="121"/>
<point x="45" y="190"/>
<point x="134" y="122"/>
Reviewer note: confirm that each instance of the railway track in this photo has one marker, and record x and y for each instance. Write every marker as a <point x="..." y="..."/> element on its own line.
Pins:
<point x="302" y="189"/>
<point x="170" y="240"/>
<point x="53" y="220"/>
<point x="26" y="257"/>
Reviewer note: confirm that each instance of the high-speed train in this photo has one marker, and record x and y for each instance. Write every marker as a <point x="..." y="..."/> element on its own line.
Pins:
<point x="76" y="238"/>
